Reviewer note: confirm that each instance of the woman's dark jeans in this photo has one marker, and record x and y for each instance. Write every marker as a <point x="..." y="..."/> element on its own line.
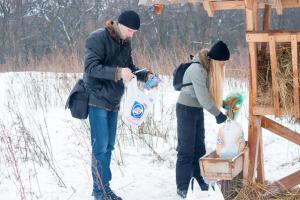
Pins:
<point x="191" y="145"/>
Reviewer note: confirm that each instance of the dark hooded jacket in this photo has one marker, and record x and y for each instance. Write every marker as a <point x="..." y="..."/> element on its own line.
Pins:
<point x="105" y="54"/>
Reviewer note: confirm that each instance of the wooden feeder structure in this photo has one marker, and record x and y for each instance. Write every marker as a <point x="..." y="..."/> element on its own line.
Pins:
<point x="258" y="39"/>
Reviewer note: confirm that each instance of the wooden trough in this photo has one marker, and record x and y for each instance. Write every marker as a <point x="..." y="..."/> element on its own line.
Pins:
<point x="215" y="168"/>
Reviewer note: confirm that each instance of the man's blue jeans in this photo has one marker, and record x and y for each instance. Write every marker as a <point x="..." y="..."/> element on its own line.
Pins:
<point x="103" y="125"/>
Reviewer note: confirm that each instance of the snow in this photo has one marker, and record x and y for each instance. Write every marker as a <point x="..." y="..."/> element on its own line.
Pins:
<point x="143" y="164"/>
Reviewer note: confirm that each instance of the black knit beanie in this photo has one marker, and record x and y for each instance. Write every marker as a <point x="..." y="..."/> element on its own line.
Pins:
<point x="130" y="19"/>
<point x="219" y="51"/>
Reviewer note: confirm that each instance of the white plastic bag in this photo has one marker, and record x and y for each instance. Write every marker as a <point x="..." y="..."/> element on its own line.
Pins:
<point x="137" y="105"/>
<point x="195" y="192"/>
<point x="230" y="141"/>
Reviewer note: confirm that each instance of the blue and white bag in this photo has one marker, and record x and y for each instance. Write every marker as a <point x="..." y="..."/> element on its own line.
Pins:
<point x="137" y="105"/>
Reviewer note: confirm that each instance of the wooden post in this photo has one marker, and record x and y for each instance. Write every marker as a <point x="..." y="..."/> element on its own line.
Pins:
<point x="249" y="4"/>
<point x="295" y="75"/>
<point x="207" y="5"/>
<point x="266" y="27"/>
<point x="260" y="162"/>
<point x="246" y="166"/>
<point x="253" y="151"/>
<point x="253" y="69"/>
<point x="254" y="129"/>
<point x="279" y="8"/>
<point x="275" y="93"/>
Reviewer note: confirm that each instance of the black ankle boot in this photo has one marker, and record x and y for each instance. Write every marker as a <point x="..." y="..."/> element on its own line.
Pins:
<point x="112" y="195"/>
<point x="182" y="193"/>
<point x="102" y="197"/>
<point x="203" y="185"/>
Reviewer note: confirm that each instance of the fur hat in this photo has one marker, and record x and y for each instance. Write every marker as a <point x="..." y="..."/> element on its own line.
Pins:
<point x="130" y="19"/>
<point x="219" y="51"/>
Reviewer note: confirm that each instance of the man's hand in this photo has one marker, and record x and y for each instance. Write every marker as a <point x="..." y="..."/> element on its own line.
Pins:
<point x="126" y="74"/>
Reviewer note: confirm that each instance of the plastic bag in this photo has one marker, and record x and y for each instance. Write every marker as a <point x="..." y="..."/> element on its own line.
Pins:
<point x="232" y="104"/>
<point x="230" y="140"/>
<point x="137" y="105"/>
<point x="195" y="192"/>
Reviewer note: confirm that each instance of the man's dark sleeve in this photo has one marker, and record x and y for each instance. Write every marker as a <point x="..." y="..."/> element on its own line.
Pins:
<point x="94" y="57"/>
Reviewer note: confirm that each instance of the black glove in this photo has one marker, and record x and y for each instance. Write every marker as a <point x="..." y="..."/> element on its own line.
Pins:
<point x="223" y="104"/>
<point x="221" y="118"/>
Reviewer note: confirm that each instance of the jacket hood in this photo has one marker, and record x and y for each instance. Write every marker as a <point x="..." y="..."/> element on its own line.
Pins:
<point x="114" y="31"/>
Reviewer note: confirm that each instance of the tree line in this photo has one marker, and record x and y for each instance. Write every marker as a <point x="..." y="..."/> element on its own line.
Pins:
<point x="35" y="28"/>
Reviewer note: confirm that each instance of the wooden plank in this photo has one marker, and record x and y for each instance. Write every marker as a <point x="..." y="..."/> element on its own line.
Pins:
<point x="286" y="183"/>
<point x="246" y="165"/>
<point x="249" y="4"/>
<point x="214" y="167"/>
<point x="267" y="2"/>
<point x="266" y="27"/>
<point x="253" y="68"/>
<point x="249" y="21"/>
<point x="237" y="166"/>
<point x="295" y="75"/>
<point x="222" y="5"/>
<point x="267" y="18"/>
<point x="280" y="130"/>
<point x="252" y="25"/>
<point x="279" y="8"/>
<point x="264" y="37"/>
<point x="208" y="7"/>
<point x="290" y="181"/>
<point x="290" y="3"/>
<point x="255" y="15"/>
<point x="275" y="93"/>
<point x="260" y="162"/>
<point x="253" y="147"/>
<point x="228" y="5"/>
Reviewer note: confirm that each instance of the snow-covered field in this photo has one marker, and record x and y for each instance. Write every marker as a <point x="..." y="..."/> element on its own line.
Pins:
<point x="45" y="153"/>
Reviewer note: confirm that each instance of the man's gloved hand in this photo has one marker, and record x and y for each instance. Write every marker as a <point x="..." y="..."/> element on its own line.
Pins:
<point x="221" y="118"/>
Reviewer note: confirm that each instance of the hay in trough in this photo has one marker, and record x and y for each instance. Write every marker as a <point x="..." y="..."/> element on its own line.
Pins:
<point x="263" y="192"/>
<point x="284" y="78"/>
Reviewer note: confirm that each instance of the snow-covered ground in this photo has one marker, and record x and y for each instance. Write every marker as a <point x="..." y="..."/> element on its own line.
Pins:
<point x="45" y="153"/>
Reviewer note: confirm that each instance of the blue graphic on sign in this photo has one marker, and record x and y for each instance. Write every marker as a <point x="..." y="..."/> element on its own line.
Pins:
<point x="137" y="110"/>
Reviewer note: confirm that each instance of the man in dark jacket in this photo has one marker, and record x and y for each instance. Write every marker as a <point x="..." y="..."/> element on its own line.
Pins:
<point x="107" y="65"/>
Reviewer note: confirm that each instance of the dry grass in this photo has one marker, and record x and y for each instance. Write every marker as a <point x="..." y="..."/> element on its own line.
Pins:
<point x="159" y="60"/>
<point x="165" y="60"/>
<point x="56" y="62"/>
<point x="263" y="192"/>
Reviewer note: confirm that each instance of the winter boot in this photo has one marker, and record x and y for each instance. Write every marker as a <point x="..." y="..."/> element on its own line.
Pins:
<point x="203" y="185"/>
<point x="112" y="195"/>
<point x="181" y="193"/>
<point x="102" y="197"/>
